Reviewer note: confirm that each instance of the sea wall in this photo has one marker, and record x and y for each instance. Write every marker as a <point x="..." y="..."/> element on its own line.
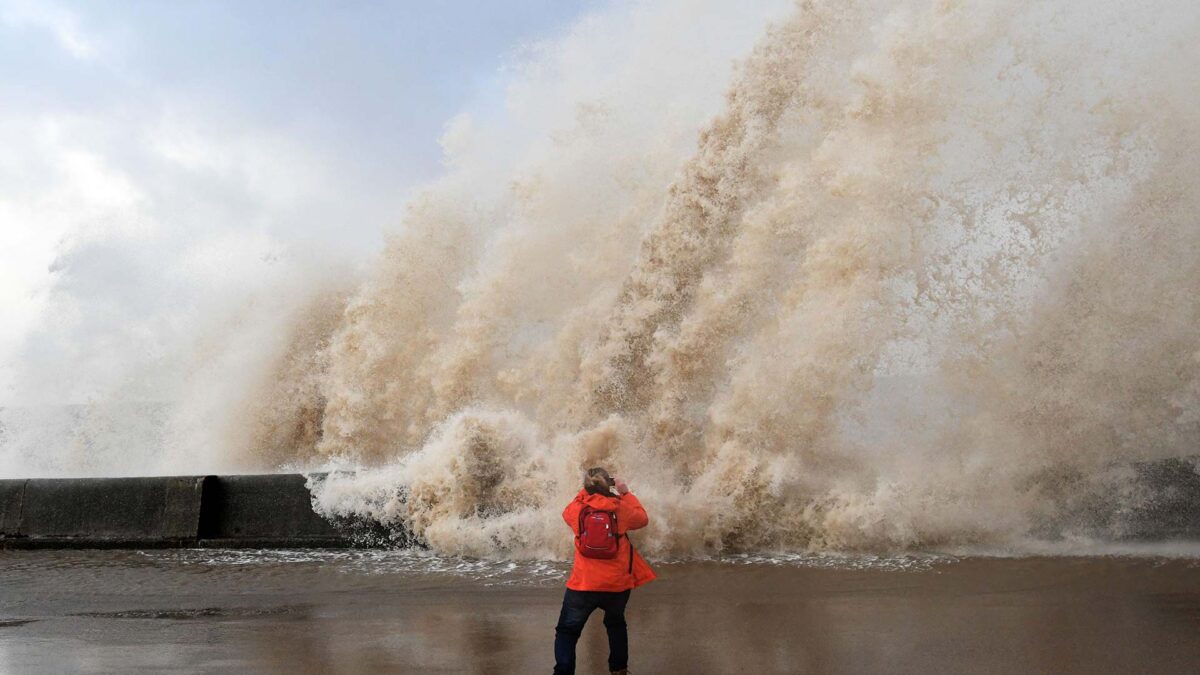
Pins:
<point x="1144" y="501"/>
<point x="267" y="511"/>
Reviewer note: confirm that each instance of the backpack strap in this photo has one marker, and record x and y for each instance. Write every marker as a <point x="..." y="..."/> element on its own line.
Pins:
<point x="579" y="528"/>
<point x="626" y="535"/>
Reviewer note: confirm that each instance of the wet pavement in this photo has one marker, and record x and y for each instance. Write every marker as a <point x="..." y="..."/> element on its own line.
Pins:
<point x="201" y="611"/>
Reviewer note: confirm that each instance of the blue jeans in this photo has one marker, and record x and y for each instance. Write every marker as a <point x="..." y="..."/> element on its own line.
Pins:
<point x="577" y="607"/>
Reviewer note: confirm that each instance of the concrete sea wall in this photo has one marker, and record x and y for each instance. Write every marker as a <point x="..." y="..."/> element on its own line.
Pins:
<point x="267" y="511"/>
<point x="1144" y="501"/>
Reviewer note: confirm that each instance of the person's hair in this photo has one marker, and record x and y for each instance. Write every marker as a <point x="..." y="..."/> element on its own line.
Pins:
<point x="597" y="482"/>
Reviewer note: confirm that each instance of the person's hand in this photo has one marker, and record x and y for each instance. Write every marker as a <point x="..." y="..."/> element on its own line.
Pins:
<point x="619" y="483"/>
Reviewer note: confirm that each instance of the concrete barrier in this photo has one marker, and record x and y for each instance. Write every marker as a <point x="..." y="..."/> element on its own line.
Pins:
<point x="1167" y="505"/>
<point x="12" y="494"/>
<point x="101" y="512"/>
<point x="1148" y="501"/>
<point x="268" y="511"/>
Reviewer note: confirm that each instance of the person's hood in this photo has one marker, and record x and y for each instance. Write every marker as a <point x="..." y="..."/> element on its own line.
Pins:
<point x="601" y="502"/>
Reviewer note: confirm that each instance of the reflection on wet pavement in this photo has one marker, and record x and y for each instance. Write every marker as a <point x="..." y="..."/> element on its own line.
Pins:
<point x="198" y="611"/>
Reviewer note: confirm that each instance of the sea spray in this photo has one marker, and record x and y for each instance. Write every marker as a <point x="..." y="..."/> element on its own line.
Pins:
<point x="931" y="278"/>
<point x="929" y="252"/>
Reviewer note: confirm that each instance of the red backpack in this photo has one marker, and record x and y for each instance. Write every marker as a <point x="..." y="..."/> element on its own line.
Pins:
<point x="598" y="536"/>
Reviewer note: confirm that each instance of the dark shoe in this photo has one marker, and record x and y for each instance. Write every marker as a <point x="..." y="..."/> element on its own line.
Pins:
<point x="623" y="671"/>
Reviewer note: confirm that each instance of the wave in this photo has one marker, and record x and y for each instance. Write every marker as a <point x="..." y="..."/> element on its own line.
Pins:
<point x="929" y="278"/>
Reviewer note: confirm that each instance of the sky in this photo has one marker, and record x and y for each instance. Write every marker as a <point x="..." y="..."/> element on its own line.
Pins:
<point x="157" y="156"/>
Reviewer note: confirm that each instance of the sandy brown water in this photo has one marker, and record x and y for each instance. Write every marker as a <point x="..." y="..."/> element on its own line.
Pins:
<point x="371" y="611"/>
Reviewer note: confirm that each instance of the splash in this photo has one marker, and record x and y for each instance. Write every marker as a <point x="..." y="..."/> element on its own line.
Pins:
<point x="929" y="278"/>
<point x="930" y="259"/>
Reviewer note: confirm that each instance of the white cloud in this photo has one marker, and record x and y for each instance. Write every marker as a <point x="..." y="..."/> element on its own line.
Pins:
<point x="152" y="184"/>
<point x="49" y="188"/>
<point x="62" y="24"/>
<point x="270" y="165"/>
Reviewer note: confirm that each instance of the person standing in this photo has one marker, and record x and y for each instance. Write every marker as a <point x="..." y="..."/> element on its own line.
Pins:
<point x="605" y="570"/>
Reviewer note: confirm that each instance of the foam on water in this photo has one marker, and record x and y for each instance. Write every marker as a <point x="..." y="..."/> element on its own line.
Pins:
<point x="369" y="562"/>
<point x="500" y="572"/>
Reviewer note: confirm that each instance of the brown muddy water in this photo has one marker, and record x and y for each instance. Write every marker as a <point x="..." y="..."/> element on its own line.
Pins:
<point x="197" y="611"/>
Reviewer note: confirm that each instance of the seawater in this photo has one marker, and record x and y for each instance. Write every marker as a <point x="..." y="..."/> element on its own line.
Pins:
<point x="929" y="277"/>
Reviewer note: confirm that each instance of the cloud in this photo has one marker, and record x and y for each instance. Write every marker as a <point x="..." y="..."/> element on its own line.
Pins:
<point x="177" y="177"/>
<point x="51" y="188"/>
<point x="62" y="24"/>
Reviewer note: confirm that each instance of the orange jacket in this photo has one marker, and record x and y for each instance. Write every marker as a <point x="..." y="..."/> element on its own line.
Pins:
<point x="595" y="574"/>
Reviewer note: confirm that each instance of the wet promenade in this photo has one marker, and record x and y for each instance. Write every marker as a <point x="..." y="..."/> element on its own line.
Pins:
<point x="196" y="611"/>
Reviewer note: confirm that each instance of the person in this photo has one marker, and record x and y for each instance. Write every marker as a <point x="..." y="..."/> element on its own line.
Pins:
<point x="602" y="582"/>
